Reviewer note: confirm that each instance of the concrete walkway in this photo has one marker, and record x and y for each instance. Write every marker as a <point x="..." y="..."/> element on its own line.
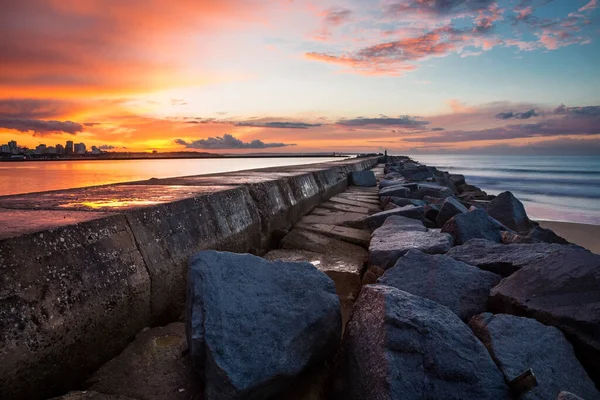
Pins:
<point x="325" y="239"/>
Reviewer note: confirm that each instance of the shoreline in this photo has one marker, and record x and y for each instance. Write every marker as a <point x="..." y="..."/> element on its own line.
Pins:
<point x="215" y="156"/>
<point x="584" y="235"/>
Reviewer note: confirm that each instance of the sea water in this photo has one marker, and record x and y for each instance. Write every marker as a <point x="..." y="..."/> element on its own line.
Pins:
<point x="558" y="188"/>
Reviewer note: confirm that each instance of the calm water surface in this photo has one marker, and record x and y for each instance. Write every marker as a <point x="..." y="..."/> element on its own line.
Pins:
<point x="559" y="188"/>
<point x="39" y="176"/>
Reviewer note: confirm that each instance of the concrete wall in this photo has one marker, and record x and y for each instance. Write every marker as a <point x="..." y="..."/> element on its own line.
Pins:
<point x="83" y="270"/>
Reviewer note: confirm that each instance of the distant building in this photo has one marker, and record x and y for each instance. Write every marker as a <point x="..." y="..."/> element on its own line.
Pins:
<point x="51" y="150"/>
<point x="41" y="149"/>
<point x="60" y="149"/>
<point x="79" y="148"/>
<point x="69" y="147"/>
<point x="96" y="150"/>
<point x="4" y="149"/>
<point x="13" y="148"/>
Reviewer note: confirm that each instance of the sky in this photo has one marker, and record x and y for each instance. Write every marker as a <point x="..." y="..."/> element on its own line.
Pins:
<point x="233" y="76"/>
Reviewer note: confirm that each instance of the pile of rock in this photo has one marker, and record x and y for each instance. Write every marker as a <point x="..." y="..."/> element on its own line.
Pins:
<point x="465" y="297"/>
<point x="442" y="261"/>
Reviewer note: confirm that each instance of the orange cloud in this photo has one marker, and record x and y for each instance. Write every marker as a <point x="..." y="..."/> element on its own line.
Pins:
<point x="80" y="47"/>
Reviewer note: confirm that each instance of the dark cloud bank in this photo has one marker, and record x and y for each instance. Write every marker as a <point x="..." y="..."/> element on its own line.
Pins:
<point x="227" y="141"/>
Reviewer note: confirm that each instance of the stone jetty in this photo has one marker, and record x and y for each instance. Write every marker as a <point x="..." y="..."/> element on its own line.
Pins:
<point x="397" y="281"/>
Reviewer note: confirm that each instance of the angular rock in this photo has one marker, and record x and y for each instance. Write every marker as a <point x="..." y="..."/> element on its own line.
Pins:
<point x="390" y="206"/>
<point x="502" y="259"/>
<point x="514" y="238"/>
<point x="395" y="191"/>
<point x="402" y="201"/>
<point x="457" y="179"/>
<point x="462" y="288"/>
<point x="546" y="235"/>
<point x="517" y="344"/>
<point x="473" y="196"/>
<point x="474" y="224"/>
<point x="561" y="290"/>
<point x="253" y="325"/>
<point x="443" y="179"/>
<point x="399" y="223"/>
<point x="415" y="175"/>
<point x="507" y="209"/>
<point x="391" y="242"/>
<point x="384" y="183"/>
<point x="433" y="200"/>
<point x="431" y="212"/>
<point x="432" y="190"/>
<point x="345" y="271"/>
<point x="393" y="175"/>
<point x="450" y="208"/>
<point x="362" y="178"/>
<point x="152" y="367"/>
<point x="376" y="220"/>
<point x="400" y="346"/>
<point x="467" y="188"/>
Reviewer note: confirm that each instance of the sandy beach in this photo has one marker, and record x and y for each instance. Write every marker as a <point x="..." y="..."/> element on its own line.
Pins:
<point x="585" y="235"/>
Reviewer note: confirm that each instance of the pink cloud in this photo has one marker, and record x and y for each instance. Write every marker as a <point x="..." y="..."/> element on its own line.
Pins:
<point x="589" y="6"/>
<point x="523" y="13"/>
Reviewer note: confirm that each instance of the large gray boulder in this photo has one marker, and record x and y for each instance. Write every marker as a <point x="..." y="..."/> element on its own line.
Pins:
<point x="395" y="191"/>
<point x="376" y="220"/>
<point x="450" y="208"/>
<point x="507" y="209"/>
<point x="518" y="344"/>
<point x="401" y="346"/>
<point x="462" y="288"/>
<point x="254" y="325"/>
<point x="502" y="259"/>
<point x="363" y="178"/>
<point x="392" y="241"/>
<point x="474" y="224"/>
<point x="561" y="290"/>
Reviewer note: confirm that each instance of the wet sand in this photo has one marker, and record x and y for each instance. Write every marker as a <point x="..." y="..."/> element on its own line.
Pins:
<point x="587" y="236"/>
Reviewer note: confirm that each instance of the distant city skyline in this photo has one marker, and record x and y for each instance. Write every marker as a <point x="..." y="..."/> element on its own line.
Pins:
<point x="410" y="76"/>
<point x="70" y="148"/>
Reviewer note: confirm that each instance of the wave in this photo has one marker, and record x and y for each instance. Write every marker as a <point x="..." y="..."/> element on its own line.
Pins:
<point x="527" y="170"/>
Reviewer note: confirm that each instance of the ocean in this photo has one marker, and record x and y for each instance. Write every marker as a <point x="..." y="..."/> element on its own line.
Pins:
<point x="555" y="188"/>
<point x="40" y="176"/>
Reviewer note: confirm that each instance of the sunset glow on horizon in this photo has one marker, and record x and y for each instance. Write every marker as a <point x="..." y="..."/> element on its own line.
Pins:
<point x="288" y="76"/>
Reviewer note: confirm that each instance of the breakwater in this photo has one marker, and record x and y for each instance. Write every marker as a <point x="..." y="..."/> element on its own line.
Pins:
<point x="83" y="271"/>
<point x="446" y="293"/>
